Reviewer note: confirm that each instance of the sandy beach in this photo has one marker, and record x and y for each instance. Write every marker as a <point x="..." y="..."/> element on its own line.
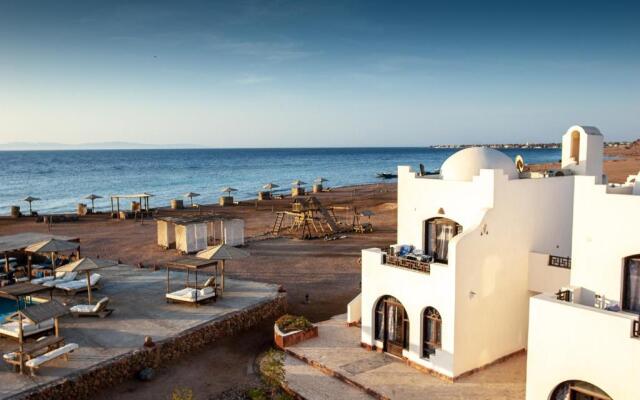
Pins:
<point x="327" y="271"/>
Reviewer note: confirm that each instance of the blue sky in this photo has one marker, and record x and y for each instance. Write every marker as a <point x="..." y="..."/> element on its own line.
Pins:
<point x="283" y="74"/>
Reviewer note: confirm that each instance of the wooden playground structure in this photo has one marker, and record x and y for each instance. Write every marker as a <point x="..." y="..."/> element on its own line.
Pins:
<point x="310" y="219"/>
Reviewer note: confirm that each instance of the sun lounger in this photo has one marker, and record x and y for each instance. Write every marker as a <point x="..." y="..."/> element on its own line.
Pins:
<point x="73" y="287"/>
<point x="192" y="295"/>
<point x="60" y="277"/>
<point x="63" y="351"/>
<point x="11" y="329"/>
<point x="88" y="310"/>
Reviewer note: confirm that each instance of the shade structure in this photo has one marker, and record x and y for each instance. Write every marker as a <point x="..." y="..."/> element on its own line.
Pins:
<point x="228" y="190"/>
<point x="36" y="314"/>
<point x="222" y="253"/>
<point x="191" y="195"/>
<point x="86" y="265"/>
<point x="321" y="179"/>
<point x="52" y="247"/>
<point x="270" y="186"/>
<point x="298" y="182"/>
<point x="367" y="213"/>
<point x="93" y="198"/>
<point x="30" y="199"/>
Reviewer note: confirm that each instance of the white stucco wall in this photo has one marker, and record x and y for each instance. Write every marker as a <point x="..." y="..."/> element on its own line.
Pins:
<point x="484" y="298"/>
<point x="416" y="291"/>
<point x="605" y="231"/>
<point x="492" y="264"/>
<point x="574" y="342"/>
<point x="544" y="278"/>
<point x="590" y="152"/>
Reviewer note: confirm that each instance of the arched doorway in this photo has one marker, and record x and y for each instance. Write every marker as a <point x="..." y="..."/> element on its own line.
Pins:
<point x="631" y="284"/>
<point x="431" y="332"/>
<point x="392" y="325"/>
<point x="438" y="232"/>
<point x="578" y="390"/>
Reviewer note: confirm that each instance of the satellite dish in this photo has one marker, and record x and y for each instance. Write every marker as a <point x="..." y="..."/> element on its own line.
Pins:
<point x="519" y="163"/>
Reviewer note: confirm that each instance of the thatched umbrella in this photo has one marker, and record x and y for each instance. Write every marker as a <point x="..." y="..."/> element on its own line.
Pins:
<point x="228" y="190"/>
<point x="86" y="265"/>
<point x="298" y="183"/>
<point x="93" y="197"/>
<point x="30" y="199"/>
<point x="321" y="180"/>
<point x="221" y="253"/>
<point x="191" y="195"/>
<point x="270" y="186"/>
<point x="51" y="246"/>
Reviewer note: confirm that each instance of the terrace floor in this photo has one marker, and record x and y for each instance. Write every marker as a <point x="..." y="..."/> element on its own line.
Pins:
<point x="137" y="295"/>
<point x="337" y="350"/>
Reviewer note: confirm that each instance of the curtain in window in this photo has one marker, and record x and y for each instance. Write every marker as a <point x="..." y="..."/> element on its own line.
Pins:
<point x="380" y="320"/>
<point x="632" y="285"/>
<point x="391" y="326"/>
<point x="444" y="233"/>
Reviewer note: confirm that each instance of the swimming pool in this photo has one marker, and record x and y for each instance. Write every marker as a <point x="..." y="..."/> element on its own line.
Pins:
<point x="8" y="307"/>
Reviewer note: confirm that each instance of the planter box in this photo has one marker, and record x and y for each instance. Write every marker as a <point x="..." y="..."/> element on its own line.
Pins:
<point x="291" y="338"/>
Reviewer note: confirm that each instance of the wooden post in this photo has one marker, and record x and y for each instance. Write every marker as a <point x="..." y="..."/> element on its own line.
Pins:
<point x="6" y="262"/>
<point x="29" y="267"/>
<point x="222" y="276"/>
<point x="20" y="342"/>
<point x="89" y="285"/>
<point x="167" y="267"/>
<point x="56" y="327"/>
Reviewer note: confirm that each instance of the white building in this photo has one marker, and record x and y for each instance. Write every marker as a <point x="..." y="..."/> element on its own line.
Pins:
<point x="482" y="251"/>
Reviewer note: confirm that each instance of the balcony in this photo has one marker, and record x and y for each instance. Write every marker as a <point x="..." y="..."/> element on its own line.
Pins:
<point x="548" y="272"/>
<point x="414" y="262"/>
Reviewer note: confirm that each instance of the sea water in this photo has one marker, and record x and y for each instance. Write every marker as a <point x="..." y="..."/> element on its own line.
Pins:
<point x="61" y="179"/>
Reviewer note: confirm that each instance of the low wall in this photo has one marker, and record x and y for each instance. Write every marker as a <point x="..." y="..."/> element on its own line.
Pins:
<point x="84" y="384"/>
<point x="283" y="340"/>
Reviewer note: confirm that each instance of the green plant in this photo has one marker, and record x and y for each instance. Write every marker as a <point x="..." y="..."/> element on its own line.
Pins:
<point x="182" y="393"/>
<point x="290" y="323"/>
<point x="283" y="396"/>
<point x="257" y="394"/>
<point x="272" y="369"/>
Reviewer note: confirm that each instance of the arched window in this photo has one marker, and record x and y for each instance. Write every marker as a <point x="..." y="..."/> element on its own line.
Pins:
<point x="575" y="146"/>
<point x="438" y="233"/>
<point x="578" y="390"/>
<point x="631" y="285"/>
<point x="431" y="331"/>
<point x="392" y="325"/>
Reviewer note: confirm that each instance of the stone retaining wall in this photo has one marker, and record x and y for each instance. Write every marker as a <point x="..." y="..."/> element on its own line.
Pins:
<point x="84" y="384"/>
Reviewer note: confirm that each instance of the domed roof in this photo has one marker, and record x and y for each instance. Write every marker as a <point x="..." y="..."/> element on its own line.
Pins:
<point x="467" y="163"/>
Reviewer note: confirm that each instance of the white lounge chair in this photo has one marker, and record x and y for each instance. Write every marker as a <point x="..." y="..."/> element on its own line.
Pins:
<point x="63" y="351"/>
<point x="89" y="310"/>
<point x="192" y="295"/>
<point x="11" y="329"/>
<point x="72" y="287"/>
<point x="60" y="277"/>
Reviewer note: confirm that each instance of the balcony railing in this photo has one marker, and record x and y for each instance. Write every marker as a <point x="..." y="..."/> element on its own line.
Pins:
<point x="563" y="295"/>
<point x="408" y="262"/>
<point x="560" y="262"/>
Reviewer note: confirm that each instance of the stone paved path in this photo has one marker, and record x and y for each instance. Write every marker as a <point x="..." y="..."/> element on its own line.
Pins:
<point x="337" y="349"/>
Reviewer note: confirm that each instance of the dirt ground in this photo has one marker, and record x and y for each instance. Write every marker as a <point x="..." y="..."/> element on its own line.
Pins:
<point x="328" y="271"/>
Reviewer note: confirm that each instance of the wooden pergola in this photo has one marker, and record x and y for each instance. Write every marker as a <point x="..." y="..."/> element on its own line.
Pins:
<point x="37" y="314"/>
<point x="191" y="264"/>
<point x="20" y="290"/>
<point x="143" y="199"/>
